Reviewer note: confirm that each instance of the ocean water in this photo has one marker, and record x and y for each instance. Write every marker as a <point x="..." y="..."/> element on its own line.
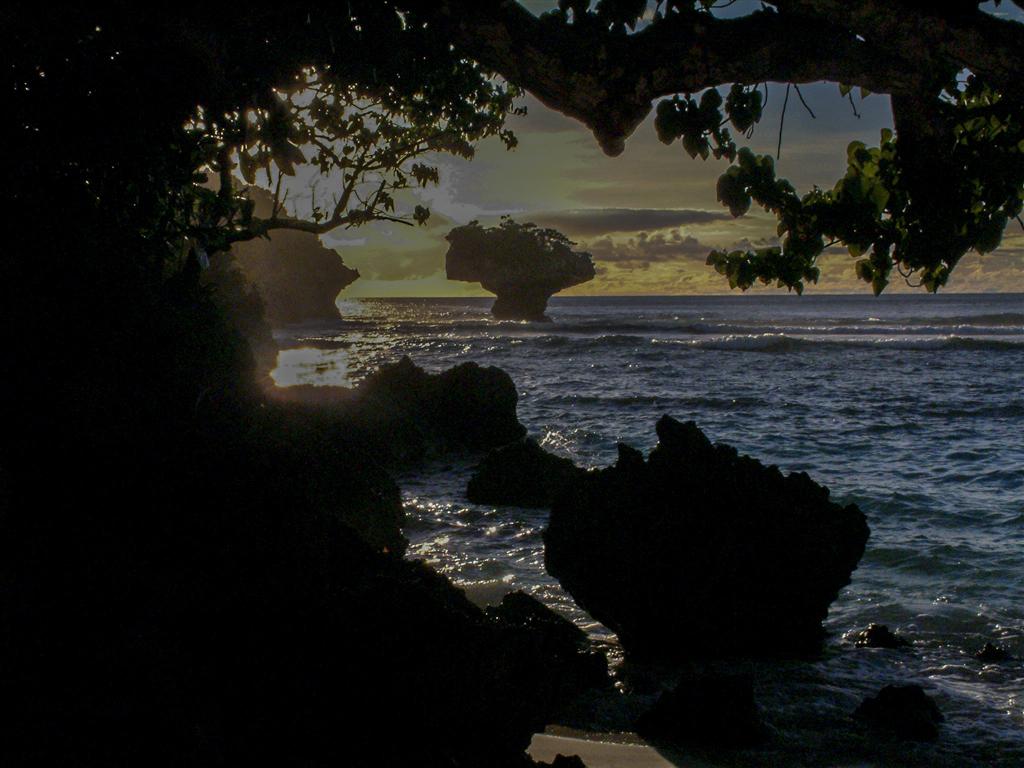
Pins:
<point x="912" y="406"/>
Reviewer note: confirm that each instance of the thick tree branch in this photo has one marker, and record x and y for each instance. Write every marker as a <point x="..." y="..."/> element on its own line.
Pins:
<point x="608" y="79"/>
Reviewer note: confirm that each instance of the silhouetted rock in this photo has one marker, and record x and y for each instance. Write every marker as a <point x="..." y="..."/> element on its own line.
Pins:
<point x="557" y="638"/>
<point x="401" y="413"/>
<point x="521" y="474"/>
<point x="468" y="406"/>
<point x="991" y="654"/>
<point x="701" y="551"/>
<point x="713" y="710"/>
<point x="297" y="277"/>
<point x="523" y="265"/>
<point x="905" y="711"/>
<point x="879" y="636"/>
<point x="564" y="761"/>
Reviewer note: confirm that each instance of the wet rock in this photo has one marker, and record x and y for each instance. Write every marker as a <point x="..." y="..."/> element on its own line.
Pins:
<point x="905" y="711"/>
<point x="522" y="264"/>
<point x="991" y="654"/>
<point x="879" y="636"/>
<point x="714" y="710"/>
<point x="701" y="551"/>
<point x="521" y="474"/>
<point x="581" y="667"/>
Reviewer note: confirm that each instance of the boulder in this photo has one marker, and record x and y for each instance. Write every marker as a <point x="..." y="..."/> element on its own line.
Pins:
<point x="522" y="264"/>
<point x="580" y="666"/>
<point x="468" y="406"/>
<point x="701" y="551"/>
<point x="401" y="413"/>
<point x="992" y="654"/>
<point x="879" y="636"/>
<point x="904" y="711"/>
<point x="716" y="710"/>
<point x="521" y="474"/>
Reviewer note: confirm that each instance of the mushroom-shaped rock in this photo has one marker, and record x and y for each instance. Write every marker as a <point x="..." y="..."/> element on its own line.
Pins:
<point x="701" y="551"/>
<point x="522" y="264"/>
<point x="298" y="278"/>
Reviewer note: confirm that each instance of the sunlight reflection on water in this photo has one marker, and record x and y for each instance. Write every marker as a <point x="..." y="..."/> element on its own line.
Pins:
<point x="308" y="365"/>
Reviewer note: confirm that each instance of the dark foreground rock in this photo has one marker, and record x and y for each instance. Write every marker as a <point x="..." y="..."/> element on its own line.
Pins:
<point x="905" y="711"/>
<point x="879" y="636"/>
<point x="992" y="654"/>
<point x="558" y="639"/>
<point x="522" y="264"/>
<point x="714" y="710"/>
<point x="402" y="414"/>
<point x="699" y="550"/>
<point x="262" y="635"/>
<point x="521" y="474"/>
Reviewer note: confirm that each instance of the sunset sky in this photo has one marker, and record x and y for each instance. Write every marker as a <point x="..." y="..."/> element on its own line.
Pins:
<point x="648" y="217"/>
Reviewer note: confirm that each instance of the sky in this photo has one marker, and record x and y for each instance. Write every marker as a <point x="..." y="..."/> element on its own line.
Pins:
<point x="648" y="217"/>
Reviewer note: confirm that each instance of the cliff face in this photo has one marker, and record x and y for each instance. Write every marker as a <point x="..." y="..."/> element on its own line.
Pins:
<point x="296" y="276"/>
<point x="521" y="264"/>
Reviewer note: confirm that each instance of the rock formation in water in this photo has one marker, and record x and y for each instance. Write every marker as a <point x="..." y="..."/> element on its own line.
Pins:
<point x="701" y="551"/>
<point x="904" y="711"/>
<point x="522" y="264"/>
<point x="521" y="474"/>
<point x="297" y="277"/>
<point x="879" y="636"/>
<point x="715" y="710"/>
<point x="401" y="413"/>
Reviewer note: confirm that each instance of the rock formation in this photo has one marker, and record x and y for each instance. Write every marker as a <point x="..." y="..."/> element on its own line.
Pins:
<point x="522" y="264"/>
<point x="904" y="711"/>
<point x="701" y="551"/>
<point x="717" y="710"/>
<point x="879" y="636"/>
<point x="297" y="277"/>
<point x="401" y="413"/>
<point x="520" y="474"/>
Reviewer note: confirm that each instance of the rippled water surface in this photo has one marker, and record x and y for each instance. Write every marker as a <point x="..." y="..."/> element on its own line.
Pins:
<point x="910" y="406"/>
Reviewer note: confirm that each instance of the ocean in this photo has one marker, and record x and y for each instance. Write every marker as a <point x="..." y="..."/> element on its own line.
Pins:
<point x="912" y="406"/>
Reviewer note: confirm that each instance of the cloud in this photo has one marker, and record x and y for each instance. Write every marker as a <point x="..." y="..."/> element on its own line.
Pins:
<point x="588" y="222"/>
<point x="649" y="248"/>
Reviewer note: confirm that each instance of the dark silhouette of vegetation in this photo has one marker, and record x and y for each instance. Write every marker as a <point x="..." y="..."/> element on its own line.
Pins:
<point x="523" y="264"/>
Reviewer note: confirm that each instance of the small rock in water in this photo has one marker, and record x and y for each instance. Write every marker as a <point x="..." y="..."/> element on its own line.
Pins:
<point x="520" y="473"/>
<point x="879" y="636"/>
<point x="906" y="711"/>
<point x="992" y="653"/>
<point x="715" y="709"/>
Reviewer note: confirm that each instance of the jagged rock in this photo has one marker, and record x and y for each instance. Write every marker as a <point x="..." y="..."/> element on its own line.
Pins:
<point x="699" y="550"/>
<point x="297" y="277"/>
<point x="523" y="265"/>
<point x="991" y="654"/>
<point x="879" y="636"/>
<point x="557" y="638"/>
<point x="521" y="474"/>
<point x="716" y="709"/>
<point x="905" y="711"/>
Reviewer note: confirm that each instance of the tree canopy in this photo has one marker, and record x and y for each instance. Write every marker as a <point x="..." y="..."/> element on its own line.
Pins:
<point x="362" y="92"/>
